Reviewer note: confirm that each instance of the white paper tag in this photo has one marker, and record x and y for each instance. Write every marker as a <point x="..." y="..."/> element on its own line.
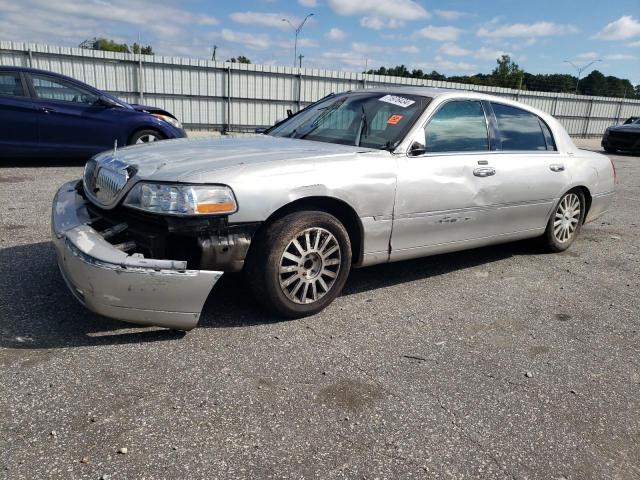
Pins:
<point x="399" y="101"/>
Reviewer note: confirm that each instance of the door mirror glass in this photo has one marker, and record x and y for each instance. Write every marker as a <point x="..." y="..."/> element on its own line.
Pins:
<point x="417" y="148"/>
<point x="107" y="102"/>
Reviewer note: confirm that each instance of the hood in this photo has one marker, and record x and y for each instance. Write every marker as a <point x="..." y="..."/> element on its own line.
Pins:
<point x="629" y="127"/>
<point x="193" y="159"/>
<point x="148" y="109"/>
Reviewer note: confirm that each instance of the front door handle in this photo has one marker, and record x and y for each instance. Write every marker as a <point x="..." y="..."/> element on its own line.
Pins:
<point x="484" y="171"/>
<point x="47" y="110"/>
<point x="556" y="167"/>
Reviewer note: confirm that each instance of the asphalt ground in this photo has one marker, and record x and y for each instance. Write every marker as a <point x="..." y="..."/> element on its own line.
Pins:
<point x="500" y="362"/>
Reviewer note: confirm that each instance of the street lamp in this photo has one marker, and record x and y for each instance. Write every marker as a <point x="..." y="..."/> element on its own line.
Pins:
<point x="297" y="32"/>
<point x="580" y="69"/>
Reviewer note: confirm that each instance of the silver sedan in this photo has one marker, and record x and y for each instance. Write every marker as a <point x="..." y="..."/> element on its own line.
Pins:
<point x="356" y="179"/>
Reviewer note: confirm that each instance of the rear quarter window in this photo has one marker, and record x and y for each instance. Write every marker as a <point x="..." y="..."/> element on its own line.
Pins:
<point x="521" y="130"/>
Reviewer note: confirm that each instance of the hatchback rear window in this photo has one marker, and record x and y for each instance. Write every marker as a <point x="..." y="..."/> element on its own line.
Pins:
<point x="10" y="84"/>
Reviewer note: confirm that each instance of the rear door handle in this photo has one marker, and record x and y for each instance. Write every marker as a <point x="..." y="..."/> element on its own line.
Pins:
<point x="47" y="110"/>
<point x="484" y="171"/>
<point x="556" y="167"/>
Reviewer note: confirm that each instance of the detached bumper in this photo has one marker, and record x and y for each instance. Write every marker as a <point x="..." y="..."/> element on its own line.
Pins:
<point x="115" y="284"/>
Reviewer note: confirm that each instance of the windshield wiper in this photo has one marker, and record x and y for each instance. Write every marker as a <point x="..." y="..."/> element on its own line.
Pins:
<point x="363" y="128"/>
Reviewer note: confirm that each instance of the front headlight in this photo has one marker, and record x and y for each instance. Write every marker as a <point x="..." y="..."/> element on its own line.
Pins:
<point x="170" y="120"/>
<point x="179" y="199"/>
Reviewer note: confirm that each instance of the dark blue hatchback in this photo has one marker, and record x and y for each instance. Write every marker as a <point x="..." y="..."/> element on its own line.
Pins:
<point x="47" y="114"/>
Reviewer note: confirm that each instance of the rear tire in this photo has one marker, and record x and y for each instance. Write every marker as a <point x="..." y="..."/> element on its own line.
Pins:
<point x="610" y="149"/>
<point x="565" y="222"/>
<point x="145" y="136"/>
<point x="299" y="264"/>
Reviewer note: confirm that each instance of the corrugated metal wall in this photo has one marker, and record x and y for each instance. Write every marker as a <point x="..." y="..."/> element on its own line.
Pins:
<point x="218" y="95"/>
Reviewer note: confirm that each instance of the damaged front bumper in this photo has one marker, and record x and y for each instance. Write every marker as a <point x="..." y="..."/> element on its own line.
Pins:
<point x="115" y="284"/>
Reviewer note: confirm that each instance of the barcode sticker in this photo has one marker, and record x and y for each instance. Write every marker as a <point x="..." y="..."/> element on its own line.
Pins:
<point x="398" y="101"/>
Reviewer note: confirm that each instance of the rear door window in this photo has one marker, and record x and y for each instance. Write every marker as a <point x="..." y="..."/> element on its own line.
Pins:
<point x="11" y="84"/>
<point x="459" y="126"/>
<point x="521" y="130"/>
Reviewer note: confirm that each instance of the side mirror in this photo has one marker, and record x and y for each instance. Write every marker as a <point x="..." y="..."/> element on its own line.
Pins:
<point x="289" y="113"/>
<point x="105" y="101"/>
<point x="416" y="148"/>
<point x="260" y="130"/>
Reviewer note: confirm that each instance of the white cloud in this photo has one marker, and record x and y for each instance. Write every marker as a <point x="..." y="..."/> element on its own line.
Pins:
<point x="441" y="64"/>
<point x="347" y="58"/>
<point x="485" y="53"/>
<point x="272" y="20"/>
<point x="453" y="50"/>
<point x="308" y="3"/>
<point x="440" y="34"/>
<point x="635" y="44"/>
<point x="307" y="42"/>
<point x="532" y="30"/>
<point x="623" y="28"/>
<point x="335" y="34"/>
<point x="619" y="56"/>
<point x="254" y="41"/>
<point x="364" y="48"/>
<point x="410" y="49"/>
<point x="587" y="56"/>
<point x="380" y="9"/>
<point x="375" y="23"/>
<point x="450" y="15"/>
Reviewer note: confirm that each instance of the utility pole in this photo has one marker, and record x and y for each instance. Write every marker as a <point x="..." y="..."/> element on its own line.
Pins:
<point x="140" y="77"/>
<point x="213" y="56"/>
<point x="580" y="70"/>
<point x="300" y="57"/>
<point x="297" y="31"/>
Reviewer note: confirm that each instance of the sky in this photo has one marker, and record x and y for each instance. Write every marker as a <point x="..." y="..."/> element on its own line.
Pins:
<point x="453" y="37"/>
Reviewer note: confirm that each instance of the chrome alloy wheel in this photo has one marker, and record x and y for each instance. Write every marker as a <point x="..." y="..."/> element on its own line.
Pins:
<point x="309" y="265"/>
<point x="147" y="138"/>
<point x="567" y="218"/>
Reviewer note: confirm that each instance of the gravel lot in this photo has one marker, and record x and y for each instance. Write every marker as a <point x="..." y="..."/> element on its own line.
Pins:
<point x="500" y="362"/>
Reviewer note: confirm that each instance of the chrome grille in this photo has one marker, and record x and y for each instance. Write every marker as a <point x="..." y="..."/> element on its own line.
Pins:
<point x="105" y="179"/>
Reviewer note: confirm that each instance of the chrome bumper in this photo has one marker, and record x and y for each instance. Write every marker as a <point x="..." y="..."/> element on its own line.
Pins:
<point x="115" y="284"/>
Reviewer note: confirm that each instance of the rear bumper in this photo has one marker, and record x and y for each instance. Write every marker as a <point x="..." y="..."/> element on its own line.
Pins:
<point x="599" y="205"/>
<point x="115" y="284"/>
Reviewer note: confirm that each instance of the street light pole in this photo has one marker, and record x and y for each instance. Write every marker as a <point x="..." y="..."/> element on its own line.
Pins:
<point x="297" y="31"/>
<point x="580" y="69"/>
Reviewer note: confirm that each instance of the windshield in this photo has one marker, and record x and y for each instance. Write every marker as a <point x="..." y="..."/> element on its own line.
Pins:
<point x="372" y="120"/>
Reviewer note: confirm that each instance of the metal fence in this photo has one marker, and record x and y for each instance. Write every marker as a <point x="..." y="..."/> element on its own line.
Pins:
<point x="241" y="97"/>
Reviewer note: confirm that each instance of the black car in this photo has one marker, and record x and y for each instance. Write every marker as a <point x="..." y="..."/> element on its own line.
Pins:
<point x="47" y="114"/>
<point x="624" y="137"/>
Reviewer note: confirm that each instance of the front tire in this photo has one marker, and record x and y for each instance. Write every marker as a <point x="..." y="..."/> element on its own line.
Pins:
<point x="300" y="263"/>
<point x="610" y="149"/>
<point x="565" y="222"/>
<point x="145" y="136"/>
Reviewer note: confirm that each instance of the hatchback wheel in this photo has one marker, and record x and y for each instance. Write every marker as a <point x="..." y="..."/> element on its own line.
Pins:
<point x="565" y="222"/>
<point x="300" y="263"/>
<point x="145" y="136"/>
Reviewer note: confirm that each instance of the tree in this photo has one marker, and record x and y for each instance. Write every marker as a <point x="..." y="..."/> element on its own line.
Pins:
<point x="507" y="73"/>
<point x="109" y="45"/>
<point x="239" y="59"/>
<point x="148" y="50"/>
<point x="594" y="84"/>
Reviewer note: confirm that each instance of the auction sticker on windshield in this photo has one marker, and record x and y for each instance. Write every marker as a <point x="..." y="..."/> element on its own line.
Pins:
<point x="399" y="101"/>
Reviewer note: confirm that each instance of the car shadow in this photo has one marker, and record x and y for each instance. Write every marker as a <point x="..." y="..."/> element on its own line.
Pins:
<point x="38" y="312"/>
